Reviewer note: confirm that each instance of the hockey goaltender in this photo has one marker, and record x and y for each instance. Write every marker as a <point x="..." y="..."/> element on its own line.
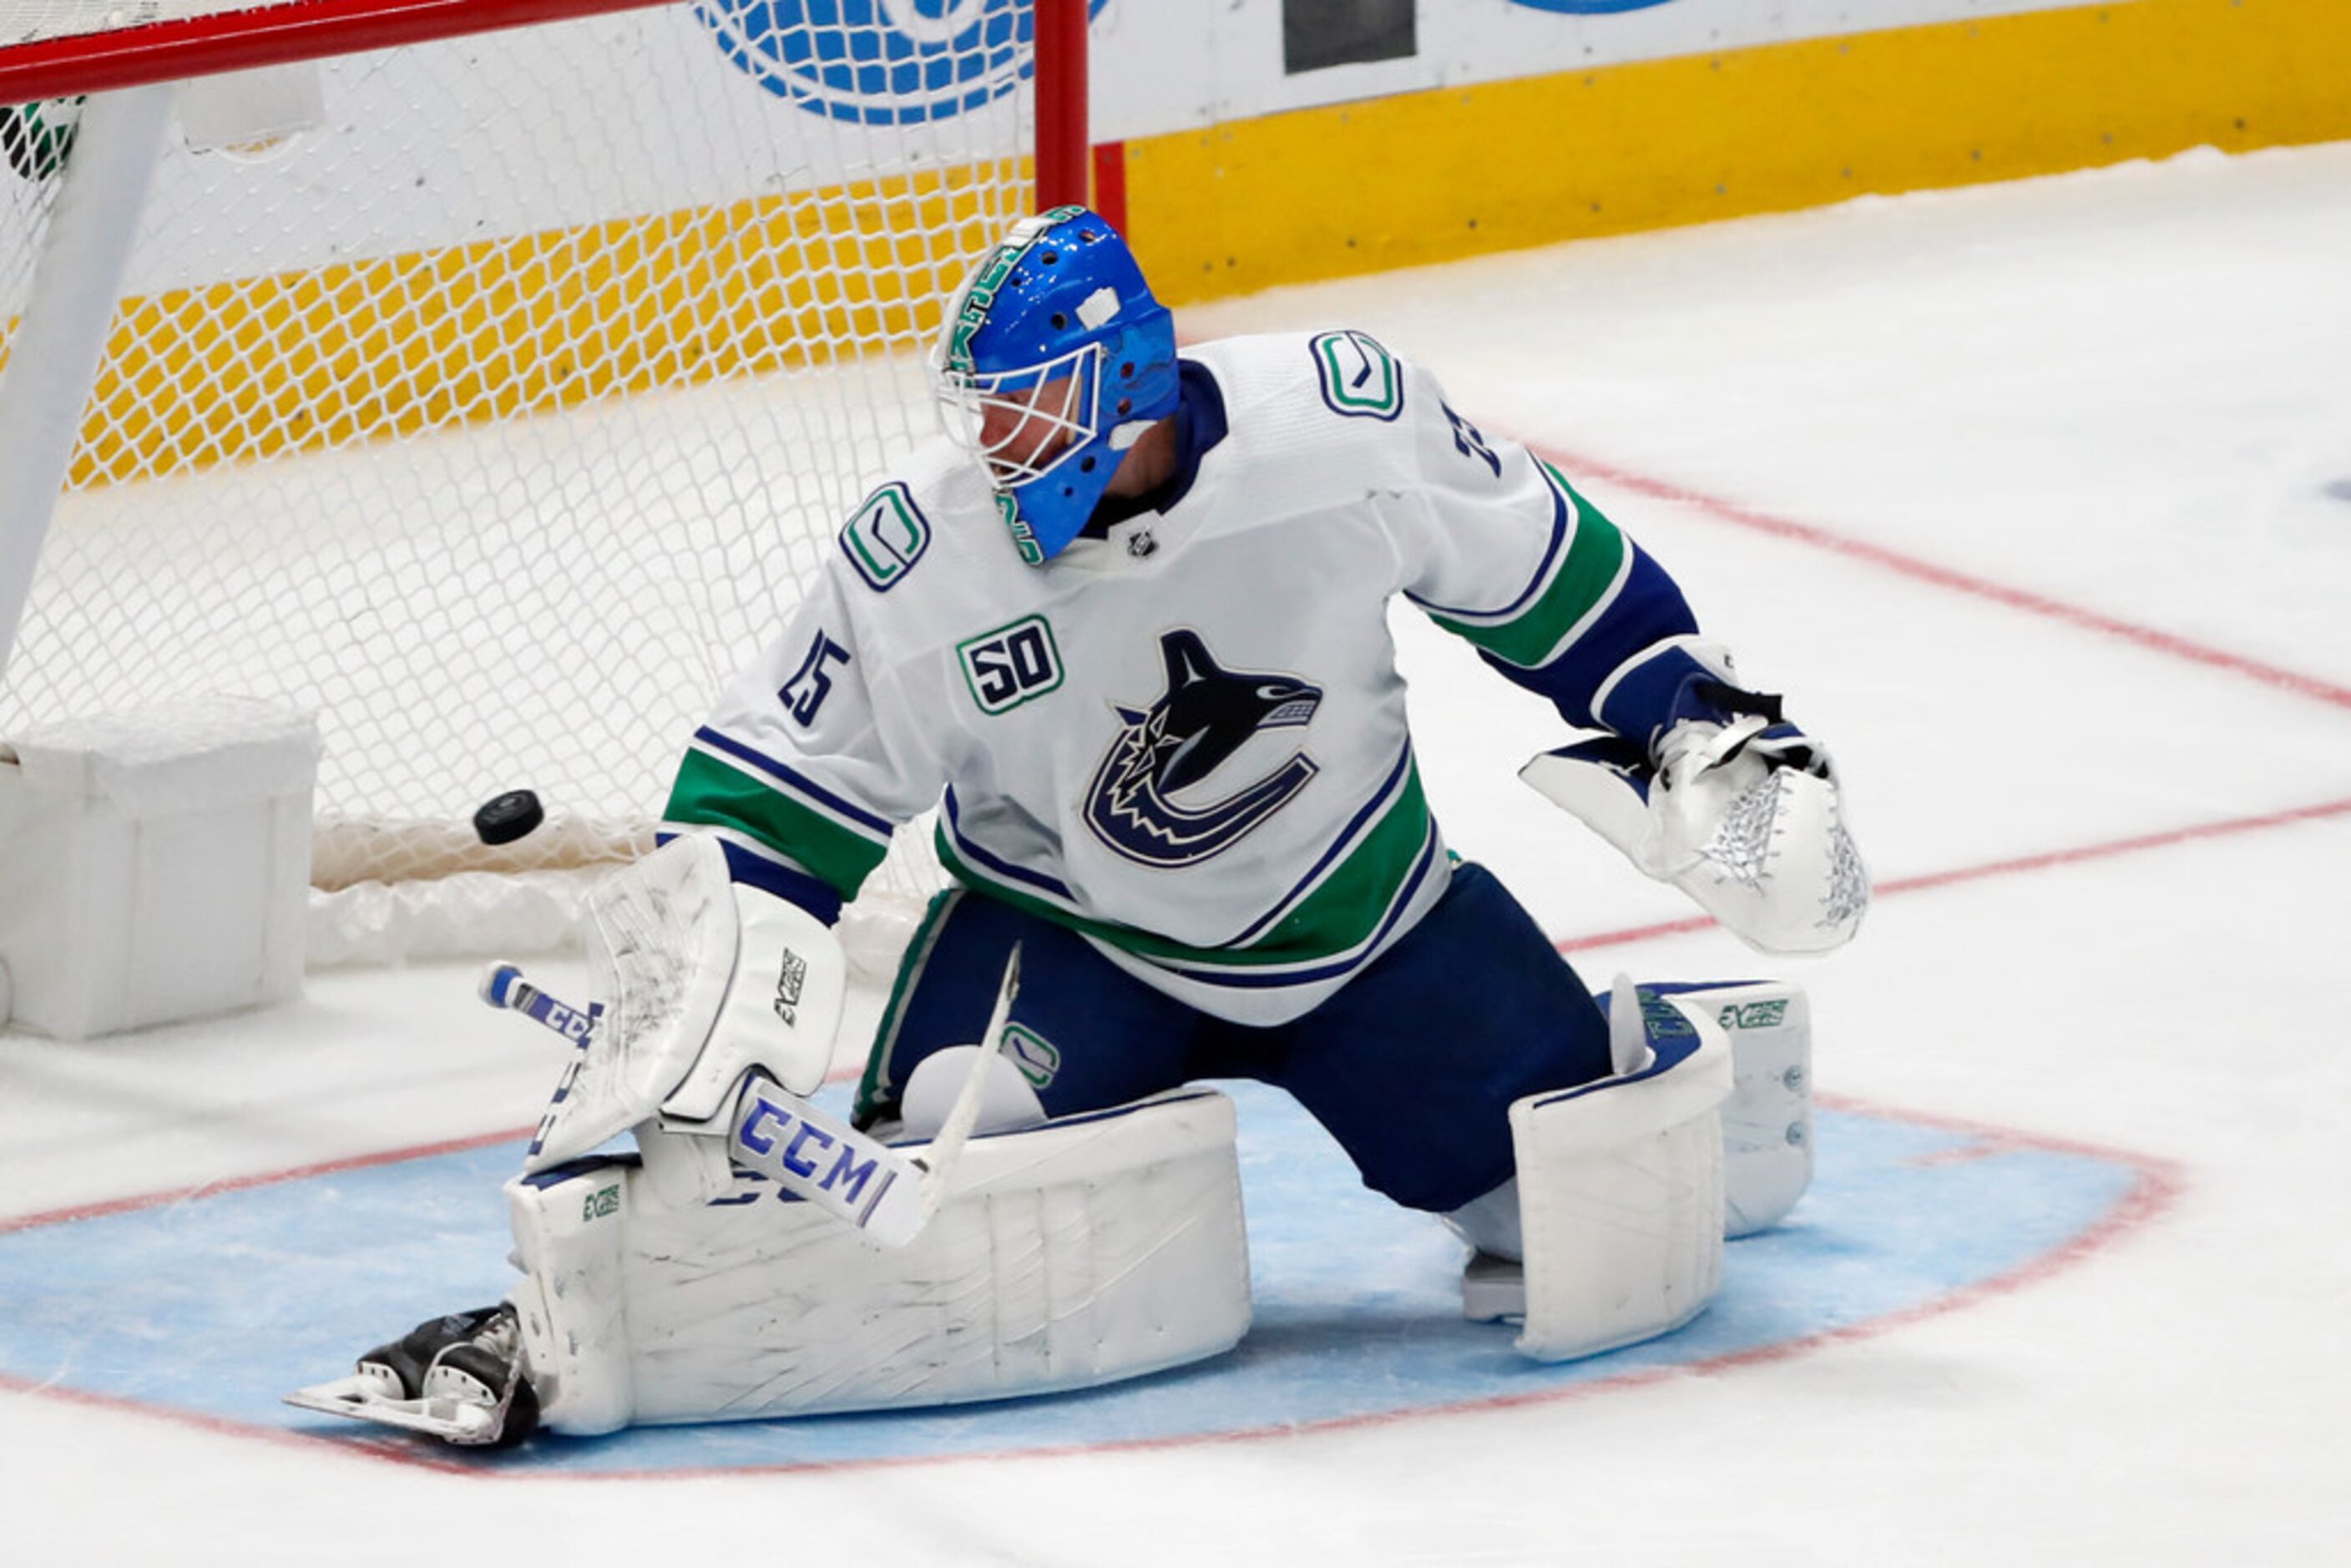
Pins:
<point x="1126" y="628"/>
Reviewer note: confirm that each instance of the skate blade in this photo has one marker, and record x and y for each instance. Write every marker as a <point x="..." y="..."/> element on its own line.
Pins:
<point x="1493" y="1290"/>
<point x="451" y="1420"/>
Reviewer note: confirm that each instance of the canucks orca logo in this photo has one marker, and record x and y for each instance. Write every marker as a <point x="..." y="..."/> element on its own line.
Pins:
<point x="1206" y="716"/>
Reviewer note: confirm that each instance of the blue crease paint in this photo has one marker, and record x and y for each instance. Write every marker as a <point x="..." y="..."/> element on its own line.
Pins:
<point x="216" y="1305"/>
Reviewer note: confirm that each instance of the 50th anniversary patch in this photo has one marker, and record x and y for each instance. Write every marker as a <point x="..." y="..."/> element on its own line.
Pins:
<point x="1011" y="664"/>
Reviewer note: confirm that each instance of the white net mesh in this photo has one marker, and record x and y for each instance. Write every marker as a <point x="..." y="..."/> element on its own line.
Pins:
<point x="500" y="418"/>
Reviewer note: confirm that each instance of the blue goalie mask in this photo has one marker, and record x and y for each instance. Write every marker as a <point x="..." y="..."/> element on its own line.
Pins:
<point x="1054" y="359"/>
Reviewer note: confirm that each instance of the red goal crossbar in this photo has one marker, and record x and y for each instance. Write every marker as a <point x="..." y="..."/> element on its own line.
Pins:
<point x="268" y="35"/>
<point x="291" y="30"/>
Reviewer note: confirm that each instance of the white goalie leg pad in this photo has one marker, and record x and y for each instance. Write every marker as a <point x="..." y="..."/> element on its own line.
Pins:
<point x="568" y="1226"/>
<point x="1767" y="1123"/>
<point x="1620" y="1197"/>
<point x="1086" y="1251"/>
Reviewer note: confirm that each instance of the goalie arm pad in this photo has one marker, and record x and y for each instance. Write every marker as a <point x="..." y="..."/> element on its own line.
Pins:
<point x="706" y="979"/>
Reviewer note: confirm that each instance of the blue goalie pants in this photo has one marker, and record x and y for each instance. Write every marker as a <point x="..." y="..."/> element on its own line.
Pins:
<point x="1412" y="1066"/>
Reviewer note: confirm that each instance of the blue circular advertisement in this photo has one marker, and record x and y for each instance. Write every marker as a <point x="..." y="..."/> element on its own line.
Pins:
<point x="879" y="62"/>
<point x="1588" y="7"/>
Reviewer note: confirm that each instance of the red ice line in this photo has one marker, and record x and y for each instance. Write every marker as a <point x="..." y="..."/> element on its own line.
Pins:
<point x="1951" y="578"/>
<point x="2003" y="867"/>
<point x="2158" y="1186"/>
<point x="2033" y="603"/>
<point x="266" y="1179"/>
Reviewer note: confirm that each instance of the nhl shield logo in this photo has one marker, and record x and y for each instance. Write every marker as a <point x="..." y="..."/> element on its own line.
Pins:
<point x="1206" y="714"/>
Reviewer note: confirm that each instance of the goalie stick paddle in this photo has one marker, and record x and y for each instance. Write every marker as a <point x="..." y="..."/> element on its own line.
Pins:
<point x="826" y="1162"/>
<point x="897" y="1208"/>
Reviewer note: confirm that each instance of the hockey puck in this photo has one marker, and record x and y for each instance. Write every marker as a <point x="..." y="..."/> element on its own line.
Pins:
<point x="509" y="817"/>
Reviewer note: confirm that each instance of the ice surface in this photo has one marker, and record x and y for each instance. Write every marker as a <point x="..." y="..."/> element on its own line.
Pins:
<point x="2093" y="699"/>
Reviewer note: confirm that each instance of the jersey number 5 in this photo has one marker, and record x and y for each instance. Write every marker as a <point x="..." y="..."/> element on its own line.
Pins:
<point x="812" y="683"/>
<point x="1471" y="443"/>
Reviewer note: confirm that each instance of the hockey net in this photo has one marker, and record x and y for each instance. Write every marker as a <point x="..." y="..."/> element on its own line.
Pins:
<point x="500" y="413"/>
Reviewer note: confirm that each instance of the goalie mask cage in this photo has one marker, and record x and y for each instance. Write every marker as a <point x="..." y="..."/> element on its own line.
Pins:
<point x="486" y="377"/>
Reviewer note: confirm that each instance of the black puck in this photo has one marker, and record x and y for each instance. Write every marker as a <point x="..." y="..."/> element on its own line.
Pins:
<point x="509" y="817"/>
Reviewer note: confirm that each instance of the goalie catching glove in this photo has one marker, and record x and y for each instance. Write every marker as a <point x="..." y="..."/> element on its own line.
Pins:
<point x="1732" y="804"/>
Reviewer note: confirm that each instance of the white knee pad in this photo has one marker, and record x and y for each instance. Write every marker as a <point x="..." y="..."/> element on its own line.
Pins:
<point x="1006" y="1102"/>
<point x="1620" y="1192"/>
<point x="1076" y="1253"/>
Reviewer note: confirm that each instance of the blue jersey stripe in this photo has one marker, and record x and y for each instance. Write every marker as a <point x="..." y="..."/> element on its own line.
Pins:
<point x="1381" y="797"/>
<point x="1648" y="609"/>
<point x="799" y="783"/>
<point x="1561" y="517"/>
<point x="1263" y="980"/>
<point x="951" y="821"/>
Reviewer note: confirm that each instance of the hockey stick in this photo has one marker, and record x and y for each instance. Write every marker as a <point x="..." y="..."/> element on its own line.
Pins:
<point x="896" y="1211"/>
<point x="946" y="1144"/>
<point x="504" y="987"/>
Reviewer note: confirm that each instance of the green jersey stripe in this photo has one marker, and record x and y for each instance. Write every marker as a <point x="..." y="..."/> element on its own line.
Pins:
<point x="1345" y="911"/>
<point x="1347" y="906"/>
<point x="879" y="1084"/>
<point x="711" y="793"/>
<point x="1585" y="580"/>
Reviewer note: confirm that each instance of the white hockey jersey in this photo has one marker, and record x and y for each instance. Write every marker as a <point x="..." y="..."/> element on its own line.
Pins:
<point x="1185" y="739"/>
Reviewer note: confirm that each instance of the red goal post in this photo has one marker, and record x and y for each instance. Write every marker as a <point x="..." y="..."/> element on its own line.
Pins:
<point x="500" y="408"/>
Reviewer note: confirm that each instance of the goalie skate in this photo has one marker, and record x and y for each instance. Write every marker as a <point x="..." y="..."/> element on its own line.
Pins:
<point x="457" y="1378"/>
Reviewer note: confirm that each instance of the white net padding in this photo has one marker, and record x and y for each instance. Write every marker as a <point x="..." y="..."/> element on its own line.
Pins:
<point x="504" y="415"/>
<point x="37" y="21"/>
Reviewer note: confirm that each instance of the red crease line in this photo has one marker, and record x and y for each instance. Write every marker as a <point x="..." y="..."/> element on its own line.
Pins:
<point x="2158" y="1185"/>
<point x="266" y="1178"/>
